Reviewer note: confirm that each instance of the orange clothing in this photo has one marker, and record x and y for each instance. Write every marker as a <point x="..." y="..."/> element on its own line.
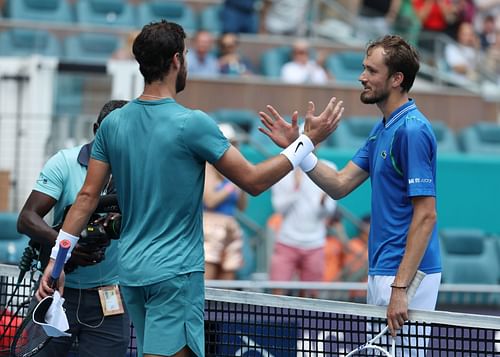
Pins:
<point x="356" y="258"/>
<point x="333" y="259"/>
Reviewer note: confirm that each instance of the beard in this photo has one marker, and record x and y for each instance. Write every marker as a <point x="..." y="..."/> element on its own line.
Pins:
<point x="180" y="81"/>
<point x="374" y="97"/>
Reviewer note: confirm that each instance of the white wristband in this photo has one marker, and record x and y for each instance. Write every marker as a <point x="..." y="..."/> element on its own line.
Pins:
<point x="298" y="150"/>
<point x="309" y="162"/>
<point x="61" y="236"/>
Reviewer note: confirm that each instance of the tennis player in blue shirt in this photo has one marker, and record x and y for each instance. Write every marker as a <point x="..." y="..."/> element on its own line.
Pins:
<point x="399" y="156"/>
<point x="157" y="150"/>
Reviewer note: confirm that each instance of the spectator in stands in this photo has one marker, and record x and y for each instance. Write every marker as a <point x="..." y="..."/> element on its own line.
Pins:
<point x="201" y="59"/>
<point x="376" y="17"/>
<point x="488" y="33"/>
<point x="407" y="23"/>
<point x="284" y="17"/>
<point x="334" y="246"/>
<point x="125" y="51"/>
<point x="465" y="12"/>
<point x="231" y="61"/>
<point x="436" y="16"/>
<point x="302" y="69"/>
<point x="300" y="243"/>
<point x="355" y="262"/>
<point x="355" y="259"/>
<point x="223" y="234"/>
<point x="493" y="59"/>
<point x="239" y="16"/>
<point x="463" y="57"/>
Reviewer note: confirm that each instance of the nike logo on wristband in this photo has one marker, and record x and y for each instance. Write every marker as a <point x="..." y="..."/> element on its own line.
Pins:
<point x="298" y="146"/>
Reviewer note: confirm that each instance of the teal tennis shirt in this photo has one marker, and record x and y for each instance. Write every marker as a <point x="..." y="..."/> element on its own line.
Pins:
<point x="62" y="178"/>
<point x="157" y="151"/>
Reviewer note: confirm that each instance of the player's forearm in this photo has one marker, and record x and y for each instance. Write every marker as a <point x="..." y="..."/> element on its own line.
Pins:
<point x="418" y="239"/>
<point x="80" y="213"/>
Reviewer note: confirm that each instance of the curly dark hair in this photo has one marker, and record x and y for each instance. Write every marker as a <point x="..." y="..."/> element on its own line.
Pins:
<point x="400" y="56"/>
<point x="155" y="47"/>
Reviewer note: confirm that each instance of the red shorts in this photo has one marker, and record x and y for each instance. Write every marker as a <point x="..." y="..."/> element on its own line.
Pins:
<point x="286" y="261"/>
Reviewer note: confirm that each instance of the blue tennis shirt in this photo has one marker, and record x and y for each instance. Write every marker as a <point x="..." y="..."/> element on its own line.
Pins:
<point x="400" y="156"/>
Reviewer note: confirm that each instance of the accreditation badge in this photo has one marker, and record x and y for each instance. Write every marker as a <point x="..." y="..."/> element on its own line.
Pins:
<point x="111" y="300"/>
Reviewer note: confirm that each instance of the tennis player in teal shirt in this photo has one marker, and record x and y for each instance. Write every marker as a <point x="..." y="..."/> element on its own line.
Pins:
<point x="157" y="151"/>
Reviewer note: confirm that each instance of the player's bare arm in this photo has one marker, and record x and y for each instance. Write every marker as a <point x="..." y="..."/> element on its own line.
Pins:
<point x="423" y="222"/>
<point x="79" y="214"/>
<point x="338" y="184"/>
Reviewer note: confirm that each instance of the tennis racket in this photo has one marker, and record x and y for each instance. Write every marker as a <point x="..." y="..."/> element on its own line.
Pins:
<point x="30" y="337"/>
<point x="370" y="344"/>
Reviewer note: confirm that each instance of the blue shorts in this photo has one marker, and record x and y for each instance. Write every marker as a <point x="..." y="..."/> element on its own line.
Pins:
<point x="168" y="315"/>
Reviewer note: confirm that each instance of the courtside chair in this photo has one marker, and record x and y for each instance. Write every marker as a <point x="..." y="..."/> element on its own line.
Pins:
<point x="25" y="42"/>
<point x="115" y="13"/>
<point x="345" y="66"/>
<point x="40" y="10"/>
<point x="175" y="11"/>
<point x="445" y="137"/>
<point x="480" y="138"/>
<point x="210" y="19"/>
<point x="92" y="48"/>
<point x="12" y="243"/>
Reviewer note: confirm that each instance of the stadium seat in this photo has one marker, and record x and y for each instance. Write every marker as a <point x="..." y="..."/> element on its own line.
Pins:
<point x="345" y="66"/>
<point x="24" y="42"/>
<point x="12" y="243"/>
<point x="210" y="19"/>
<point x="117" y="13"/>
<point x="445" y="137"/>
<point x="480" y="138"/>
<point x="469" y="257"/>
<point x="175" y="11"/>
<point x="352" y="132"/>
<point x="273" y="59"/>
<point x="245" y="119"/>
<point x="94" y="48"/>
<point x="40" y="10"/>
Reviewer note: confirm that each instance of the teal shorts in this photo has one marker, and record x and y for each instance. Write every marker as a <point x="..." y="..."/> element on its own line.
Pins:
<point x="168" y="315"/>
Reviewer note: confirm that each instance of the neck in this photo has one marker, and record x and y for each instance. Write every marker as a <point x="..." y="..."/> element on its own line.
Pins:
<point x="392" y="103"/>
<point x="157" y="90"/>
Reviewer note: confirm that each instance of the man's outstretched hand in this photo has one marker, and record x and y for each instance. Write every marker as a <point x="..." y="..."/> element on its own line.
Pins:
<point x="281" y="132"/>
<point x="317" y="128"/>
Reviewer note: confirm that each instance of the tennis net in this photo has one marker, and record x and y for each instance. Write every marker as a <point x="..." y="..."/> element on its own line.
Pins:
<point x="255" y="324"/>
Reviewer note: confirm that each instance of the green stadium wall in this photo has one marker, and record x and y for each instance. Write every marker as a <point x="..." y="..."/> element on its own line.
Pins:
<point x="468" y="189"/>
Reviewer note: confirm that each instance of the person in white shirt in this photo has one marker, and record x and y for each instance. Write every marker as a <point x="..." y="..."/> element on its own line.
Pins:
<point x="302" y="69"/>
<point x="463" y="57"/>
<point x="300" y="240"/>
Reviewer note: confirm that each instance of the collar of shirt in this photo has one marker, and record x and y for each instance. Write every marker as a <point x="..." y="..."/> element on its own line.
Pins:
<point x="400" y="112"/>
<point x="84" y="154"/>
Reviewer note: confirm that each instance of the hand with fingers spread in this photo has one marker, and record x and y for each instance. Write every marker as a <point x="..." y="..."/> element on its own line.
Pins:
<point x="397" y="311"/>
<point x="318" y="128"/>
<point x="279" y="130"/>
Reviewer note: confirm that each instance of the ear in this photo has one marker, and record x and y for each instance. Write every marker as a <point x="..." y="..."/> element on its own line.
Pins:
<point x="397" y="79"/>
<point x="177" y="61"/>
